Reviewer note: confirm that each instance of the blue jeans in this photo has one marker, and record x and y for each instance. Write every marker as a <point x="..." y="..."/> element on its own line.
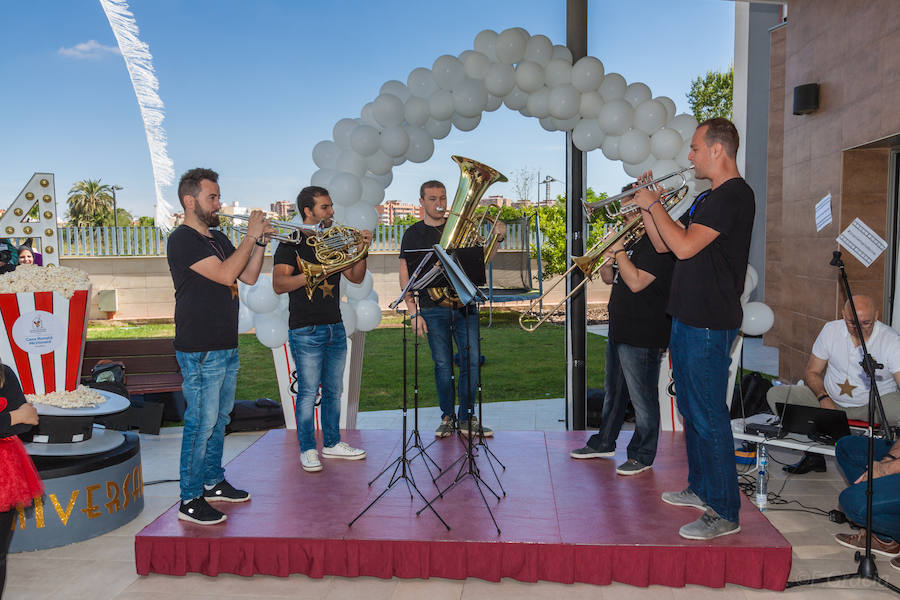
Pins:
<point x="852" y="454"/>
<point x="209" y="382"/>
<point x="319" y="353"/>
<point x="631" y="372"/>
<point x="465" y="331"/>
<point x="700" y="361"/>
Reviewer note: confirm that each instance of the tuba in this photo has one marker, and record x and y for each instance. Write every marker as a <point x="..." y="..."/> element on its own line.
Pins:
<point x="462" y="229"/>
<point x="336" y="248"/>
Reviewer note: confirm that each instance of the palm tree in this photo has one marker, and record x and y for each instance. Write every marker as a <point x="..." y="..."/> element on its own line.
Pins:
<point x="90" y="203"/>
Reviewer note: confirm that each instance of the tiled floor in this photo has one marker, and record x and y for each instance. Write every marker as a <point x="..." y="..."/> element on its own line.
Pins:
<point x="104" y="567"/>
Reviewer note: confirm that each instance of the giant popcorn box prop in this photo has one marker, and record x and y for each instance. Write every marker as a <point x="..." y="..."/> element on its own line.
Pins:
<point x="44" y="313"/>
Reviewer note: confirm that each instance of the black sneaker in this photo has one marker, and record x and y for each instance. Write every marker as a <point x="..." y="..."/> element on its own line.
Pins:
<point x="225" y="492"/>
<point x="200" y="512"/>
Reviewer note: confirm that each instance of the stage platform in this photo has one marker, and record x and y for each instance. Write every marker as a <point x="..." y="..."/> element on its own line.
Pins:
<point x="562" y="520"/>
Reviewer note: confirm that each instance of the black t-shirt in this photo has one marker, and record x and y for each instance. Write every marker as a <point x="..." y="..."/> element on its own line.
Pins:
<point x="706" y="288"/>
<point x="325" y="306"/>
<point x="12" y="393"/>
<point x="206" y="312"/>
<point x="420" y="236"/>
<point x="640" y="319"/>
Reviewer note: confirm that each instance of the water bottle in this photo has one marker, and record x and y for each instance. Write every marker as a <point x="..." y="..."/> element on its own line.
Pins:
<point x="762" y="487"/>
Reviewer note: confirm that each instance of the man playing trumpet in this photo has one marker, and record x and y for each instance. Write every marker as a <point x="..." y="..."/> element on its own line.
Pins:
<point x="317" y="339"/>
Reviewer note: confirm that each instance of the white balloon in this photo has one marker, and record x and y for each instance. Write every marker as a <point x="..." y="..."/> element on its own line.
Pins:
<point x="325" y="154"/>
<point x="416" y="111"/>
<point x="379" y="163"/>
<point x="394" y="141"/>
<point x="634" y="146"/>
<point x="612" y="87"/>
<point x="538" y="104"/>
<point x="615" y="117"/>
<point x="548" y="123"/>
<point x="529" y="76"/>
<point x="260" y="297"/>
<point x="649" y="116"/>
<point x="684" y="124"/>
<point x="588" y="135"/>
<point x="385" y="180"/>
<point x="666" y="143"/>
<point x="368" y="315"/>
<point x="438" y="129"/>
<point x="421" y="145"/>
<point x="358" y="291"/>
<point x="345" y="189"/>
<point x="562" y="53"/>
<point x="500" y="80"/>
<point x="591" y="103"/>
<point x="245" y="319"/>
<point x="753" y="278"/>
<point x="342" y="131"/>
<point x="565" y="101"/>
<point x="322" y="177"/>
<point x="271" y="329"/>
<point x="567" y="124"/>
<point x="516" y="99"/>
<point x="465" y="123"/>
<point x="758" y="318"/>
<point x="477" y="65"/>
<point x="510" y="47"/>
<point x="447" y="71"/>
<point x="348" y="316"/>
<point x="637" y="93"/>
<point x="420" y="82"/>
<point x="486" y="43"/>
<point x="398" y="160"/>
<point x="365" y="140"/>
<point x="352" y="162"/>
<point x="388" y="110"/>
<point x="664" y="167"/>
<point x="524" y="112"/>
<point x="395" y="88"/>
<point x="372" y="192"/>
<point x="636" y="170"/>
<point x="469" y="97"/>
<point x="243" y="288"/>
<point x="558" y="72"/>
<point x="360" y="216"/>
<point x="539" y="49"/>
<point x="682" y="157"/>
<point x="339" y="213"/>
<point x="373" y="297"/>
<point x="610" y="147"/>
<point x="587" y="73"/>
<point x="440" y="105"/>
<point x="493" y="103"/>
<point x="367" y="115"/>
<point x="669" y="104"/>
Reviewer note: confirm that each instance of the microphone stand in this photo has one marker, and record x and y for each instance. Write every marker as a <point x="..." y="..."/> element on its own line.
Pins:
<point x="867" y="569"/>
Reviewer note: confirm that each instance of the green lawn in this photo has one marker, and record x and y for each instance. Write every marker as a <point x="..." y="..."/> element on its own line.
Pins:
<point x="518" y="365"/>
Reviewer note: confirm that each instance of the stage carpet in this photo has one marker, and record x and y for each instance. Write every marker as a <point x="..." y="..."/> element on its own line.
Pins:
<point x="561" y="520"/>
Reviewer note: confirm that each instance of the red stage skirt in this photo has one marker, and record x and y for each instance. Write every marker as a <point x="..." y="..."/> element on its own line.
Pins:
<point x="19" y="480"/>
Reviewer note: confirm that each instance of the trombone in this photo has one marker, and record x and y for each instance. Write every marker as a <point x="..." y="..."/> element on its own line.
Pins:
<point x="291" y="231"/>
<point x="595" y="257"/>
<point x="592" y="206"/>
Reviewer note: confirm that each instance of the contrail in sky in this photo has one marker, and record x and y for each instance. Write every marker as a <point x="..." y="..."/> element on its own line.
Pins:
<point x="139" y="62"/>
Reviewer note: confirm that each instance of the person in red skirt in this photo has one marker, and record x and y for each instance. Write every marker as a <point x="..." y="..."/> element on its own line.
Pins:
<point x="19" y="480"/>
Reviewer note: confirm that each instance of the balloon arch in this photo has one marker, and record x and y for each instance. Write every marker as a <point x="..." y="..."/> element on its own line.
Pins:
<point x="527" y="73"/>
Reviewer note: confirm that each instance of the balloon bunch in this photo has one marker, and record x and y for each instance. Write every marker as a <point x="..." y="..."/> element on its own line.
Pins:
<point x="758" y="317"/>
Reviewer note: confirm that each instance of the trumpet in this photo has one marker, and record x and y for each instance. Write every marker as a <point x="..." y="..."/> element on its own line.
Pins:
<point x="291" y="232"/>
<point x="596" y="256"/>
<point x="592" y="206"/>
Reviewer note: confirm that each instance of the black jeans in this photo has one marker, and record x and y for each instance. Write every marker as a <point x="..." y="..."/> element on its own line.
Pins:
<point x="6" y="533"/>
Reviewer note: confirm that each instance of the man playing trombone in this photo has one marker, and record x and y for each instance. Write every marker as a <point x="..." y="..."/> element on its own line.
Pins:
<point x="638" y="334"/>
<point x="712" y="244"/>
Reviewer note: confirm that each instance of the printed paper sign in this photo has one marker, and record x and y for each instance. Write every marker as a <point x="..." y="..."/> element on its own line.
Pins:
<point x="863" y="243"/>
<point x="823" y="213"/>
<point x="38" y="332"/>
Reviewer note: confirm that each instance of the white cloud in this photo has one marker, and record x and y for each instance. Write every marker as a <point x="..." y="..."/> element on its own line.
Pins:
<point x="91" y="49"/>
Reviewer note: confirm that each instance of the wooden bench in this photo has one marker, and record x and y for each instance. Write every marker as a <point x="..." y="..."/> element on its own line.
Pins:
<point x="150" y="364"/>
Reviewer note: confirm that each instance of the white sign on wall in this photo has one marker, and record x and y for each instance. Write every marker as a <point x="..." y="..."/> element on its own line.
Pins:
<point x="38" y="332"/>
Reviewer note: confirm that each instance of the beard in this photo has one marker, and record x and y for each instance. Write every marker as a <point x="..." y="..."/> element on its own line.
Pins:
<point x="207" y="218"/>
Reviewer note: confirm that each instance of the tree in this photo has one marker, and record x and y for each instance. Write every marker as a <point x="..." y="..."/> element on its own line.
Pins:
<point x="123" y="218"/>
<point x="146" y="222"/>
<point x="90" y="203"/>
<point x="712" y="95"/>
<point x="406" y="220"/>
<point x="523" y="181"/>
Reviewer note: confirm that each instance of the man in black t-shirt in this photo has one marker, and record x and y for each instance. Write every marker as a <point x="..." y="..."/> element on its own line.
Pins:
<point x="437" y="321"/>
<point x="638" y="335"/>
<point x="317" y="337"/>
<point x="712" y="244"/>
<point x="205" y="267"/>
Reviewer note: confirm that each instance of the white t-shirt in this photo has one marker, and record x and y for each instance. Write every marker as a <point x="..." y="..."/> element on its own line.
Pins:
<point x="835" y="345"/>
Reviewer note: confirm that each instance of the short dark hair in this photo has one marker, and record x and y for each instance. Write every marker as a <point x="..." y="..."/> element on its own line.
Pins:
<point x="721" y="130"/>
<point x="433" y="183"/>
<point x="307" y="198"/>
<point x="189" y="185"/>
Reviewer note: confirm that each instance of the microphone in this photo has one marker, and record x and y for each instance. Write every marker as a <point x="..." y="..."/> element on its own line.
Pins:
<point x="836" y="259"/>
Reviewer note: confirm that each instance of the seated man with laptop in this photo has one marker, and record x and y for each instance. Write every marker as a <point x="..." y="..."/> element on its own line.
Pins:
<point x="835" y="379"/>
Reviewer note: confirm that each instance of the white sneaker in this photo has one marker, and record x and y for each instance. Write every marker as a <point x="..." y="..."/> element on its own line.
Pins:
<point x="343" y="450"/>
<point x="309" y="460"/>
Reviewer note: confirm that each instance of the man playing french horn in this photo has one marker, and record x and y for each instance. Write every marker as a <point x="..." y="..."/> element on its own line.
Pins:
<point x="317" y="338"/>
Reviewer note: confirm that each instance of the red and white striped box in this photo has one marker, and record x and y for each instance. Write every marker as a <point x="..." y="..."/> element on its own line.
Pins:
<point x="43" y="338"/>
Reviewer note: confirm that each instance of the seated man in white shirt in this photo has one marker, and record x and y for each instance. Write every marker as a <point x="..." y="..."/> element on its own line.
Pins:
<point x="835" y="379"/>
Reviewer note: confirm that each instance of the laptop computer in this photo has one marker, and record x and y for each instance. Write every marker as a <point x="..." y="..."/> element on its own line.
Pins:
<point x="823" y="425"/>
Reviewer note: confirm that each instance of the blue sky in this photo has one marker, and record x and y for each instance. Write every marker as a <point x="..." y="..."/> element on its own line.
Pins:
<point x="250" y="87"/>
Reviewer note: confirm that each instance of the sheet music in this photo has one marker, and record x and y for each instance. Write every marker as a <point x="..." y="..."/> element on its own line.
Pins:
<point x="863" y="243"/>
<point x="823" y="212"/>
